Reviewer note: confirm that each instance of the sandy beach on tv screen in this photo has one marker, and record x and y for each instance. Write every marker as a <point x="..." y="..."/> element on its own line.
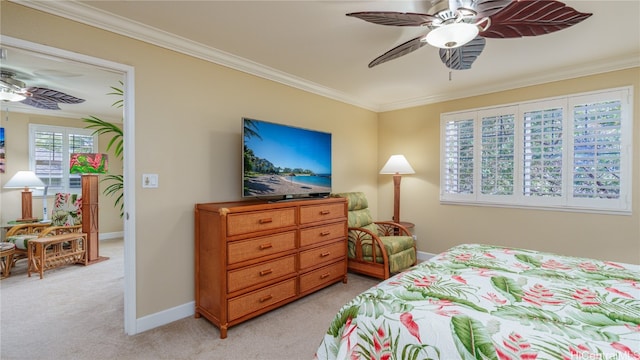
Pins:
<point x="266" y="185"/>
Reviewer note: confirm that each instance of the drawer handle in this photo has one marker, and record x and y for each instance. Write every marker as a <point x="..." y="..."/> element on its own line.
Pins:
<point x="325" y="254"/>
<point x="266" y="298"/>
<point x="325" y="212"/>
<point x="265" y="272"/>
<point x="265" y="246"/>
<point x="325" y="275"/>
<point x="265" y="221"/>
<point x="325" y="233"/>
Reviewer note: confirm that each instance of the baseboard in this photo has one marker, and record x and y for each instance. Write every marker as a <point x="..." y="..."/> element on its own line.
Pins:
<point x="182" y="311"/>
<point x="165" y="317"/>
<point x="424" y="256"/>
<point x="111" y="235"/>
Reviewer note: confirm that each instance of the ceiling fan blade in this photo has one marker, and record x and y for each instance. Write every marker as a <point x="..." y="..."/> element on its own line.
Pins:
<point x="394" y="18"/>
<point x="486" y="8"/>
<point x="53" y="95"/>
<point x="532" y="18"/>
<point x="44" y="104"/>
<point x="398" y="51"/>
<point x="461" y="58"/>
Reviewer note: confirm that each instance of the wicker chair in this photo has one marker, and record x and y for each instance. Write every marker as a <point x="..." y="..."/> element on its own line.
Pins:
<point x="21" y="234"/>
<point x="394" y="249"/>
<point x="66" y="218"/>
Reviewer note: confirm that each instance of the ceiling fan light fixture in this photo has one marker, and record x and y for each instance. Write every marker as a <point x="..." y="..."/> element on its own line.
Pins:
<point x="10" y="95"/>
<point x="452" y="35"/>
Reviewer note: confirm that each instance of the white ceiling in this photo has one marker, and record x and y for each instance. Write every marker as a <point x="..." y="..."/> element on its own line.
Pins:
<point x="74" y="78"/>
<point x="312" y="45"/>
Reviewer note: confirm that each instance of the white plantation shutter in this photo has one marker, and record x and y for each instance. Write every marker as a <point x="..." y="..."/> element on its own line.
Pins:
<point x="497" y="152"/>
<point x="542" y="150"/>
<point x="596" y="150"/>
<point x="567" y="153"/>
<point x="50" y="149"/>
<point x="601" y="150"/>
<point x="458" y="156"/>
<point x="48" y="157"/>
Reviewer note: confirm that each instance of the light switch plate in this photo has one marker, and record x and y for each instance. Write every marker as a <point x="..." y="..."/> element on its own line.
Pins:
<point x="149" y="180"/>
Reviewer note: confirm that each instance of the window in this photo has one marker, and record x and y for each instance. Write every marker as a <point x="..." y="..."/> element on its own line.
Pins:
<point x="572" y="152"/>
<point x="50" y="148"/>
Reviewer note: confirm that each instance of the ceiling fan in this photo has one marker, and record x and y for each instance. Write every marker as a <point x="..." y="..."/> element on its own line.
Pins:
<point x="459" y="27"/>
<point x="12" y="89"/>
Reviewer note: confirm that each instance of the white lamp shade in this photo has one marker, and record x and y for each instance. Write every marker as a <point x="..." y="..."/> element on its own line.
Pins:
<point x="397" y="164"/>
<point x="24" y="179"/>
<point x="452" y="35"/>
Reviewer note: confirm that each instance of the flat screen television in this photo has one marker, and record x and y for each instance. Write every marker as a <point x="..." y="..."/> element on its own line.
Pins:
<point x="283" y="162"/>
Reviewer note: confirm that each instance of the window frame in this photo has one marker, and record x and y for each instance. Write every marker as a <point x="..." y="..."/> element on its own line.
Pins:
<point x="66" y="154"/>
<point x="566" y="201"/>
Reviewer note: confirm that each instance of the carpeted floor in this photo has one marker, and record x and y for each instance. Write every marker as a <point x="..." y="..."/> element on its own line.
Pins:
<point x="76" y="312"/>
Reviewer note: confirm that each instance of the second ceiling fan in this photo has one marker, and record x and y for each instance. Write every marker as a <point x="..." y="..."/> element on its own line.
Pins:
<point x="459" y="27"/>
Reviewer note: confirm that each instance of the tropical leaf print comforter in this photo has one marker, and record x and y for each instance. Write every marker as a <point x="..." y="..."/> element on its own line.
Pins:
<point x="488" y="302"/>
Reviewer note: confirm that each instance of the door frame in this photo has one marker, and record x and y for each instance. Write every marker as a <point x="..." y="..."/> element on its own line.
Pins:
<point x="128" y="72"/>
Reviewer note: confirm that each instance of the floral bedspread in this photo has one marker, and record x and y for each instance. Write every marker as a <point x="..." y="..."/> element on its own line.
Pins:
<point x="488" y="302"/>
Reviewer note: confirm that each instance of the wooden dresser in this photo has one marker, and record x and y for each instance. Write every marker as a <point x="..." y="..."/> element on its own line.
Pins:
<point x="252" y="257"/>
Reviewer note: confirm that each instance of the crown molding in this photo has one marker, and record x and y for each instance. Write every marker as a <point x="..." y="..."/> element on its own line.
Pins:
<point x="603" y="66"/>
<point x="88" y="15"/>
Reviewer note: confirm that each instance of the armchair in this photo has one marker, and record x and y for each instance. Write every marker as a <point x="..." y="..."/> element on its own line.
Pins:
<point x="66" y="215"/>
<point x="376" y="248"/>
<point x="66" y="218"/>
<point x="21" y="234"/>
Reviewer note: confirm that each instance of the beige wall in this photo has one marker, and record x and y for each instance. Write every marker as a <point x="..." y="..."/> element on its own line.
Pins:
<point x="193" y="143"/>
<point x="16" y="127"/>
<point x="415" y="132"/>
<point x="192" y="140"/>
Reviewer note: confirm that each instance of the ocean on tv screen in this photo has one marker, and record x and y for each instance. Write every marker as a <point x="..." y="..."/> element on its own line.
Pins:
<point x="284" y="160"/>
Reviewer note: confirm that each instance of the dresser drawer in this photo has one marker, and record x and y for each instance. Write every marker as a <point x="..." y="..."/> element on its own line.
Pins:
<point x="322" y="212"/>
<point x="327" y="253"/>
<point x="322" y="276"/>
<point x="243" y="223"/>
<point x="254" y="301"/>
<point x="252" y="275"/>
<point x="238" y="251"/>
<point x="318" y="234"/>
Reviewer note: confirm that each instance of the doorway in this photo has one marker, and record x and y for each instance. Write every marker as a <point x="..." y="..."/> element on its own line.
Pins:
<point x="127" y="72"/>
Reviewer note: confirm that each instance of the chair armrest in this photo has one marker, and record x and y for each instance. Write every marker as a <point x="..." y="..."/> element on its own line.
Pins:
<point x="27" y="229"/>
<point x="58" y="230"/>
<point x="390" y="228"/>
<point x="357" y="235"/>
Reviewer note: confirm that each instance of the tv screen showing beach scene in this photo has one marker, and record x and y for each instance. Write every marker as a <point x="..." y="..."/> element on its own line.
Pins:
<point x="284" y="161"/>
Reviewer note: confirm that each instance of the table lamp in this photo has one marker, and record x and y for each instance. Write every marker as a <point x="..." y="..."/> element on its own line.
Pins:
<point x="89" y="166"/>
<point x="397" y="165"/>
<point x="25" y="180"/>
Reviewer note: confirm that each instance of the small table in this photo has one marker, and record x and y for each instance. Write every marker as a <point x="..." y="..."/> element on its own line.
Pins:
<point x="408" y="225"/>
<point x="6" y="258"/>
<point x="53" y="251"/>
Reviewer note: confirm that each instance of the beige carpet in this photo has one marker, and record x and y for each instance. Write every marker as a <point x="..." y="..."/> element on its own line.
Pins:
<point x="76" y="312"/>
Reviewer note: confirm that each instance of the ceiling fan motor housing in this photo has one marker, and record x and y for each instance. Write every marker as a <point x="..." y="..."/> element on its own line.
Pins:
<point x="7" y="80"/>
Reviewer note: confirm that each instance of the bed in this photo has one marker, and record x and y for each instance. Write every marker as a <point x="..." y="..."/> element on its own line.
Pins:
<point x="479" y="301"/>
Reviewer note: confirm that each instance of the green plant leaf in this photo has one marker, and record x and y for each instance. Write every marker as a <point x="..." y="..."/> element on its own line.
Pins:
<point x="101" y="127"/>
<point x="472" y="339"/>
<point x="335" y="329"/>
<point x="528" y="260"/>
<point x="508" y="287"/>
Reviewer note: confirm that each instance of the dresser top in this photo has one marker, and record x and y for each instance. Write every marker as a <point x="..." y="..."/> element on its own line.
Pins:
<point x="254" y="205"/>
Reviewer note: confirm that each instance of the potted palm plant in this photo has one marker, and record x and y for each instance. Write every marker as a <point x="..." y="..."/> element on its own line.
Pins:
<point x="115" y="182"/>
